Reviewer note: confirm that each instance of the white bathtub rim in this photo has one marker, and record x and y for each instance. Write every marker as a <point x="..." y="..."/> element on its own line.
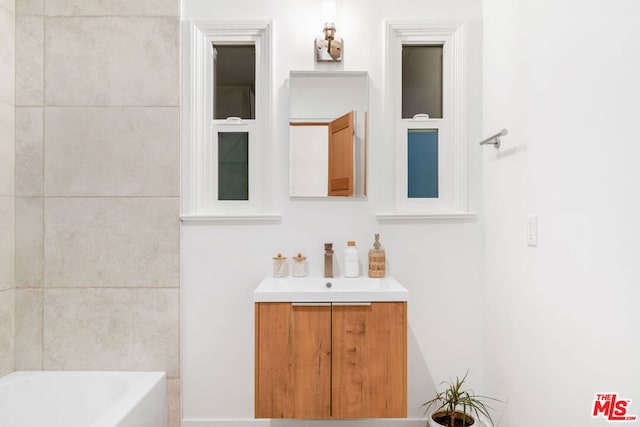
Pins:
<point x="133" y="396"/>
<point x="118" y="410"/>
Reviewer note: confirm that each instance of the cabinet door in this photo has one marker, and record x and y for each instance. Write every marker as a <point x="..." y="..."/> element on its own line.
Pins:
<point x="369" y="377"/>
<point x="293" y="361"/>
<point x="341" y="134"/>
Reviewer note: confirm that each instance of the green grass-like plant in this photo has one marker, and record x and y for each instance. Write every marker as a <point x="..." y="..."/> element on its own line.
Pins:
<point x="456" y="399"/>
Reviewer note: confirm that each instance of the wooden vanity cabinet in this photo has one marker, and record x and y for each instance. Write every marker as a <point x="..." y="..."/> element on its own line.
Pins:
<point x="369" y="360"/>
<point x="331" y="361"/>
<point x="293" y="361"/>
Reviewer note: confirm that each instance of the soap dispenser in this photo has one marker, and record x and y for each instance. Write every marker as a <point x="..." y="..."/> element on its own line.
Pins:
<point x="376" y="258"/>
<point x="328" y="260"/>
<point x="351" y="266"/>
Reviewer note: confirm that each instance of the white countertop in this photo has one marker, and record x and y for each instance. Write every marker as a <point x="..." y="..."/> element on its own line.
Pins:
<point x="341" y="289"/>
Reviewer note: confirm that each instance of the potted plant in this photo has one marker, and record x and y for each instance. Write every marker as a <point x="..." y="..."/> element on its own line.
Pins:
<point x="457" y="407"/>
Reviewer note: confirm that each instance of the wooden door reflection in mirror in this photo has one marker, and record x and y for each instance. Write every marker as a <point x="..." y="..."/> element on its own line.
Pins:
<point x="328" y="133"/>
<point x="341" y="146"/>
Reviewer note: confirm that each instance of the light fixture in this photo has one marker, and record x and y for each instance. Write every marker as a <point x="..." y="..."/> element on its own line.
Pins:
<point x="329" y="48"/>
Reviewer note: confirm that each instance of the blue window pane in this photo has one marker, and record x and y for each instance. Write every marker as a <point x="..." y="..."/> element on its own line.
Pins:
<point x="233" y="166"/>
<point x="423" y="163"/>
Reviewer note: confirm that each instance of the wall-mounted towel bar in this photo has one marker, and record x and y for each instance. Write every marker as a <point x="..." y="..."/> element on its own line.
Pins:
<point x="494" y="139"/>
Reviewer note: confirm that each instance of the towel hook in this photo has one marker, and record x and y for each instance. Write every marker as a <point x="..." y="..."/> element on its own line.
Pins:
<point x="494" y="139"/>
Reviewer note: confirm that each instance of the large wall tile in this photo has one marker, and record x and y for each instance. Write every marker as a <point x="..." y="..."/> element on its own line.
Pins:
<point x="7" y="148"/>
<point x="173" y="402"/>
<point x="112" y="151"/>
<point x="111" y="61"/>
<point x="112" y="329"/>
<point x="113" y="7"/>
<point x="7" y="242"/>
<point x="9" y="5"/>
<point x="28" y="339"/>
<point x="29" y="149"/>
<point x="112" y="242"/>
<point x="7" y="309"/>
<point x="29" y="241"/>
<point x="7" y="56"/>
<point x="29" y="60"/>
<point x="29" y="7"/>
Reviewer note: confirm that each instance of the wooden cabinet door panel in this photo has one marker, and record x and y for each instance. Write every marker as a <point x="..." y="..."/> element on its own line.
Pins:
<point x="369" y="375"/>
<point x="293" y="361"/>
<point x="341" y="134"/>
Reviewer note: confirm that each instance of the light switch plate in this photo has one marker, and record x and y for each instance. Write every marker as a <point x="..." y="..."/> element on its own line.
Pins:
<point x="532" y="230"/>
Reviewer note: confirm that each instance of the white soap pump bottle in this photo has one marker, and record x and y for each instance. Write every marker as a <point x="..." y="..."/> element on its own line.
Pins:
<point x="351" y="264"/>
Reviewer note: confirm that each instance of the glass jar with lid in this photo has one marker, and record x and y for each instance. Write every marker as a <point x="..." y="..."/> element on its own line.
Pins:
<point x="280" y="266"/>
<point x="300" y="266"/>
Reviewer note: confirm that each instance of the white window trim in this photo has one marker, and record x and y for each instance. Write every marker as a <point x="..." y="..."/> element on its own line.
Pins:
<point x="452" y="158"/>
<point x="199" y="190"/>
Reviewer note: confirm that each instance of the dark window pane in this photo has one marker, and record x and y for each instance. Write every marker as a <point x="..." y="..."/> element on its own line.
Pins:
<point x="422" y="81"/>
<point x="422" y="172"/>
<point x="234" y="81"/>
<point x="233" y="166"/>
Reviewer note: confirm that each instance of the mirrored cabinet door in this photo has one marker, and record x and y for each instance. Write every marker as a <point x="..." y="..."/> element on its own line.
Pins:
<point x="328" y="133"/>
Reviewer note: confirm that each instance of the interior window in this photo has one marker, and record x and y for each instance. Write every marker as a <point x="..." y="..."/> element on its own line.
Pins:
<point x="234" y="81"/>
<point x="227" y="165"/>
<point x="426" y="70"/>
<point x="422" y="80"/>
<point x="422" y="163"/>
<point x="233" y="166"/>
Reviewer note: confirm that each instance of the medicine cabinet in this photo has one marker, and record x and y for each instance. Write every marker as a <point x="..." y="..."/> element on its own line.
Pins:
<point x="328" y="133"/>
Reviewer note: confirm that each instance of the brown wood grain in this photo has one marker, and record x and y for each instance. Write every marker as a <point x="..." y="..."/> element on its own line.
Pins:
<point x="331" y="362"/>
<point x="369" y="375"/>
<point x="293" y="361"/>
<point x="341" y="134"/>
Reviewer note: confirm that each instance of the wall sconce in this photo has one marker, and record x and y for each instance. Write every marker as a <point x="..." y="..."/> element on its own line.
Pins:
<point x="329" y="48"/>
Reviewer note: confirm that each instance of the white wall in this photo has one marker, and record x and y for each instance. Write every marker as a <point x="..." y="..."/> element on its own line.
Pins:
<point x="562" y="319"/>
<point x="438" y="262"/>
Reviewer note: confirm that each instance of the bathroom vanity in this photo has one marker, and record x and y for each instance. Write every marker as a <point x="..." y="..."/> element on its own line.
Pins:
<point x="330" y="348"/>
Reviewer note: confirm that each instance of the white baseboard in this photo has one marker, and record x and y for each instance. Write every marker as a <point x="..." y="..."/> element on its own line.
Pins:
<point x="224" y="423"/>
<point x="378" y="422"/>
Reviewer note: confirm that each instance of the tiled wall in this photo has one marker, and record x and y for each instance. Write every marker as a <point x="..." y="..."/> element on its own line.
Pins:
<point x="97" y="186"/>
<point x="7" y="188"/>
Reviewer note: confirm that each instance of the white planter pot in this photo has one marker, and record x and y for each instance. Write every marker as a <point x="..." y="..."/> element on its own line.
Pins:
<point x="479" y="421"/>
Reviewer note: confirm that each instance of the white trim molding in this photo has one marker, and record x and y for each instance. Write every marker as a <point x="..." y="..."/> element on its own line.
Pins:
<point x="199" y="190"/>
<point x="452" y="200"/>
<point x="428" y="217"/>
<point x="231" y="219"/>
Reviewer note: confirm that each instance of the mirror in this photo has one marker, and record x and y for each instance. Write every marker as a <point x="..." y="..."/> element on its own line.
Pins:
<point x="328" y="133"/>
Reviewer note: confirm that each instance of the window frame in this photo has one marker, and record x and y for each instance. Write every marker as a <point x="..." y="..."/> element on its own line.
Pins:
<point x="200" y="129"/>
<point x="452" y="147"/>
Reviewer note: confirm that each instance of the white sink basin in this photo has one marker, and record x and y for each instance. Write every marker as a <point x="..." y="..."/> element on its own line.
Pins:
<point x="320" y="289"/>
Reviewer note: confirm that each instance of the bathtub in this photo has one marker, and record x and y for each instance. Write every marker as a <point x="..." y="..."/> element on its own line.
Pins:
<point x="83" y="399"/>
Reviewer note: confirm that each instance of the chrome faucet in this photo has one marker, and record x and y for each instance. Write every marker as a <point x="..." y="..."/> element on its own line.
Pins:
<point x="328" y="260"/>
